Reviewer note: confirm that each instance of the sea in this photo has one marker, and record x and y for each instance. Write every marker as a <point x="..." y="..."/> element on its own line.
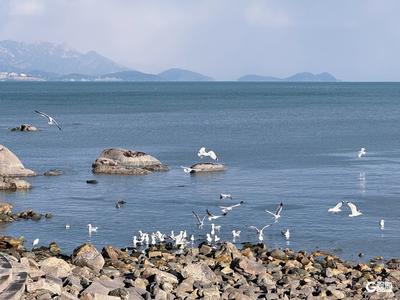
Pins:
<point x="294" y="143"/>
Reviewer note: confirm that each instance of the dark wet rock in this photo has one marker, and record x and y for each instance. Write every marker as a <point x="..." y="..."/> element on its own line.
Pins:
<point x="92" y="181"/>
<point x="48" y="215"/>
<point x="53" y="172"/>
<point x="8" y="242"/>
<point x="117" y="161"/>
<point x="25" y="127"/>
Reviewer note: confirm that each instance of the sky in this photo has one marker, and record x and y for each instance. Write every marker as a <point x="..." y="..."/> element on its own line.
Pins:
<point x="355" y="40"/>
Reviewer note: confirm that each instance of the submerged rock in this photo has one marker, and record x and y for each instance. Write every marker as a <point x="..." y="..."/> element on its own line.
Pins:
<point x="53" y="172"/>
<point x="25" y="127"/>
<point x="13" y="184"/>
<point x="207" y="167"/>
<point x="126" y="162"/>
<point x="11" y="166"/>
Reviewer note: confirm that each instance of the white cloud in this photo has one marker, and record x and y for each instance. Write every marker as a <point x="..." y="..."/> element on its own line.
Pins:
<point x="27" y="7"/>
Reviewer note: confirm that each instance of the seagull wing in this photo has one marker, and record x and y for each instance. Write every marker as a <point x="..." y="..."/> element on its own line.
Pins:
<point x="254" y="227"/>
<point x="56" y="123"/>
<point x="197" y="217"/>
<point x="353" y="208"/>
<point x="279" y="209"/>
<point x="267" y="211"/>
<point x="212" y="155"/>
<point x="43" y="114"/>
<point x="209" y="213"/>
<point x="266" y="226"/>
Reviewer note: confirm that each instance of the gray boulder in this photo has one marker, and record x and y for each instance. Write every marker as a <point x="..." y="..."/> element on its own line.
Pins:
<point x="126" y="162"/>
<point x="25" y="127"/>
<point x="11" y="166"/>
<point x="87" y="255"/>
<point x="207" y="167"/>
<point x="13" y="184"/>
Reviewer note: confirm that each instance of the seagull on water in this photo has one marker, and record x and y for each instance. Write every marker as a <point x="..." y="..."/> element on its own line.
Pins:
<point x="286" y="233"/>
<point x="202" y="152"/>
<point x="67" y="226"/>
<point x="213" y="217"/>
<point x="336" y="208"/>
<point x="188" y="170"/>
<point x="226" y="209"/>
<point x="277" y="213"/>
<point x="382" y="224"/>
<point x="35" y="242"/>
<point x="91" y="228"/>
<point x="354" y="210"/>
<point x="362" y="152"/>
<point x="225" y="196"/>
<point x="215" y="228"/>
<point x="50" y="119"/>
<point x="200" y="222"/>
<point x="120" y="203"/>
<point x="209" y="238"/>
<point x="260" y="232"/>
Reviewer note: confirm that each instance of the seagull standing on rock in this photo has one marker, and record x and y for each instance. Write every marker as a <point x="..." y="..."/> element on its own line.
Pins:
<point x="202" y="152"/>
<point x="50" y="119"/>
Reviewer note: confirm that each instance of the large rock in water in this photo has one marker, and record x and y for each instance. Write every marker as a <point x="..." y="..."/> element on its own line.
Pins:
<point x="207" y="167"/>
<point x="11" y="166"/>
<point x="13" y="184"/>
<point x="25" y="127"/>
<point x="126" y="162"/>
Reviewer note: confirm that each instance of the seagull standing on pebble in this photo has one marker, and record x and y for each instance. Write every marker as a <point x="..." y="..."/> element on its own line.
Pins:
<point x="362" y="152"/>
<point x="336" y="208"/>
<point x="354" y="210"/>
<point x="202" y="152"/>
<point x="277" y="213"/>
<point x="50" y="119"/>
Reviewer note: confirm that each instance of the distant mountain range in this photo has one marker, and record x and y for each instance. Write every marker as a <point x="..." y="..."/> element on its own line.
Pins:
<point x="52" y="62"/>
<point x="305" y="76"/>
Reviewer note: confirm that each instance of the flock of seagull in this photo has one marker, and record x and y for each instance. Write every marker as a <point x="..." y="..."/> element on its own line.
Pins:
<point x="182" y="239"/>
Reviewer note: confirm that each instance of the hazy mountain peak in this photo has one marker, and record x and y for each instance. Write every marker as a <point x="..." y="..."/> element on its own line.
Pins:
<point x="176" y="74"/>
<point x="302" y="76"/>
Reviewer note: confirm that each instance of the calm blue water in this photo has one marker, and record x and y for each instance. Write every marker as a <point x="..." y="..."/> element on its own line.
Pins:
<point x="288" y="142"/>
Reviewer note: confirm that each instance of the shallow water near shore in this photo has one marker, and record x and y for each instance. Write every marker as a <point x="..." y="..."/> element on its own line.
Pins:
<point x="289" y="142"/>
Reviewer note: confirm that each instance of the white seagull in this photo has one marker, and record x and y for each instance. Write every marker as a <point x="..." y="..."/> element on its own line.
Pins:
<point x="91" y="228"/>
<point x="202" y="152"/>
<point x="235" y="234"/>
<point x="213" y="217"/>
<point x="225" y="196"/>
<point x="50" y="119"/>
<point x="382" y="224"/>
<point x="277" y="213"/>
<point x="200" y="222"/>
<point x="35" y="242"/>
<point x="209" y="238"/>
<point x="354" y="210"/>
<point x="226" y="209"/>
<point x="188" y="170"/>
<point x="286" y="233"/>
<point x="362" y="152"/>
<point x="336" y="208"/>
<point x="260" y="233"/>
<point x="67" y="226"/>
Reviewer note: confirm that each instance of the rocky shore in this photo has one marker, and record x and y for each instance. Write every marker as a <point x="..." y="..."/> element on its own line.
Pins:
<point x="204" y="272"/>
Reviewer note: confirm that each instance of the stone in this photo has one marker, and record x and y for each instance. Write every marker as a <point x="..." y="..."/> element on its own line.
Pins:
<point x="278" y="254"/>
<point x="11" y="166"/>
<point x="200" y="272"/>
<point x="13" y="184"/>
<point x="87" y="255"/>
<point x="48" y="215"/>
<point x="120" y="292"/>
<point x="67" y="296"/>
<point x="55" y="266"/>
<point x="205" y="249"/>
<point x="248" y="266"/>
<point x="8" y="242"/>
<point x="53" y="172"/>
<point x="96" y="288"/>
<point x="25" y="127"/>
<point x="92" y="181"/>
<point x="43" y="284"/>
<point x="211" y="293"/>
<point x="207" y="167"/>
<point x="126" y="162"/>
<point x="338" y="294"/>
<point x="5" y="208"/>
<point x="161" y="276"/>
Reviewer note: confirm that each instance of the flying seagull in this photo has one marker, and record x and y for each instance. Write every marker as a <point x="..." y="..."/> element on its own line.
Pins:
<point x="200" y="222"/>
<point x="225" y="196"/>
<point x="354" y="210"/>
<point x="50" y="120"/>
<point x="91" y="228"/>
<point x="337" y="207"/>
<point x="362" y="152"/>
<point x="260" y="232"/>
<point x="202" y="152"/>
<point x="277" y="213"/>
<point x="235" y="234"/>
<point x="213" y="217"/>
<point x="225" y="209"/>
